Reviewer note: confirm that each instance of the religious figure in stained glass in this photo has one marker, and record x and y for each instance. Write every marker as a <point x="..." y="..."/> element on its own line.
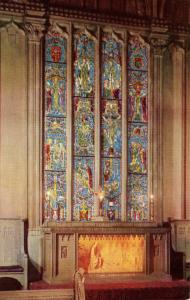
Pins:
<point x="137" y="101"/>
<point x="111" y="80"/>
<point x="137" y="197"/>
<point x="84" y="127"/>
<point x="55" y="144"/>
<point x="55" y="90"/>
<point x="111" y="125"/>
<point x="111" y="68"/>
<point x="137" y="155"/>
<point x="83" y="188"/>
<point x="83" y="65"/>
<point x="111" y="183"/>
<point x="55" y="196"/>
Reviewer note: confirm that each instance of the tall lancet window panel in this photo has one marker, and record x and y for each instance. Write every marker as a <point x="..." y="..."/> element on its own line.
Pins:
<point x="83" y="126"/>
<point x="137" y="70"/>
<point x="111" y="124"/>
<point x="54" y="205"/>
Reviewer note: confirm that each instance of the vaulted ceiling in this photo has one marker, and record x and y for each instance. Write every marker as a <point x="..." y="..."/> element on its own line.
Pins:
<point x="170" y="10"/>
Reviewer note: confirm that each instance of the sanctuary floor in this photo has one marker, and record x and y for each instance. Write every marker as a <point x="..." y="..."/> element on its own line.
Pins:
<point x="128" y="290"/>
<point x="112" y="290"/>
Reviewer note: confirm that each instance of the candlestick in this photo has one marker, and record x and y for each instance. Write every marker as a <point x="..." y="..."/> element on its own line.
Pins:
<point x="151" y="207"/>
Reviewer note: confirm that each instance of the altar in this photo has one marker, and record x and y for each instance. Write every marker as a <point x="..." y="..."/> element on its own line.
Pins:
<point x="106" y="250"/>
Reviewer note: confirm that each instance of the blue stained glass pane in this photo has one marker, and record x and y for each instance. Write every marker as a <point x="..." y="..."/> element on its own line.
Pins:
<point x="84" y="72"/>
<point x="137" y="55"/>
<point x="84" y="127"/>
<point x="137" y="197"/>
<point x="55" y="196"/>
<point x="55" y="88"/>
<point x="55" y="128"/>
<point x="137" y="98"/>
<point x="137" y="148"/>
<point x="83" y="206"/>
<point x="111" y="68"/>
<point x="137" y="130"/>
<point x="111" y="170"/>
<point x="55" y="144"/>
<point x="56" y="50"/>
<point x="111" y="128"/>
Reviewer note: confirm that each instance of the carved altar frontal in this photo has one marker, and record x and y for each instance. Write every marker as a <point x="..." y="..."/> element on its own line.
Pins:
<point x="105" y="250"/>
<point x="111" y="253"/>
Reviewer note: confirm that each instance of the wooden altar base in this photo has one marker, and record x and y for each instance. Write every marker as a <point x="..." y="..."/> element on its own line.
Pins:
<point x="128" y="290"/>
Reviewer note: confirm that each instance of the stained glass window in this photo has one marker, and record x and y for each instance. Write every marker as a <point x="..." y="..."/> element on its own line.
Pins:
<point x="83" y="104"/>
<point x="55" y="128"/>
<point x="137" y="70"/>
<point x="95" y="148"/>
<point x="111" y="118"/>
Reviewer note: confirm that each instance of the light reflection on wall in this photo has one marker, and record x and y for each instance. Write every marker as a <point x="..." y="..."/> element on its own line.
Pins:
<point x="111" y="253"/>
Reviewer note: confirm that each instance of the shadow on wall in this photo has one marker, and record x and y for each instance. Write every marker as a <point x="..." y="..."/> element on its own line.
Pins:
<point x="9" y="284"/>
<point x="33" y="272"/>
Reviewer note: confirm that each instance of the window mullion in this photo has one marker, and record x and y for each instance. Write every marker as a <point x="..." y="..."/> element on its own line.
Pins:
<point x="97" y="121"/>
<point x="124" y="131"/>
<point x="69" y="125"/>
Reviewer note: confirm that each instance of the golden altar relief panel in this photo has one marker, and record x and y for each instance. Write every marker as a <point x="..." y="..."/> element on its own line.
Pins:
<point x="111" y="253"/>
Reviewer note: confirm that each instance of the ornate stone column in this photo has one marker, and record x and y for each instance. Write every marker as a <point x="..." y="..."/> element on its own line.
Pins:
<point x="178" y="62"/>
<point x="173" y="131"/>
<point x="158" y="44"/>
<point x="35" y="33"/>
<point x="187" y="144"/>
<point x="35" y="119"/>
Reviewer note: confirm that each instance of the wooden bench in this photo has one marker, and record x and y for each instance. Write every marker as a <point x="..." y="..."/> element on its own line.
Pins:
<point x="181" y="241"/>
<point x="55" y="294"/>
<point x="13" y="259"/>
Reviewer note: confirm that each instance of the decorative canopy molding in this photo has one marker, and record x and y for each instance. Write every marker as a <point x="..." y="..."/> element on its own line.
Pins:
<point x="12" y="28"/>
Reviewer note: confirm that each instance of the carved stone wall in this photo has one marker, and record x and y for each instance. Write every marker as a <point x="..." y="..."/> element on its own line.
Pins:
<point x="13" y="124"/>
<point x="22" y="28"/>
<point x="22" y="102"/>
